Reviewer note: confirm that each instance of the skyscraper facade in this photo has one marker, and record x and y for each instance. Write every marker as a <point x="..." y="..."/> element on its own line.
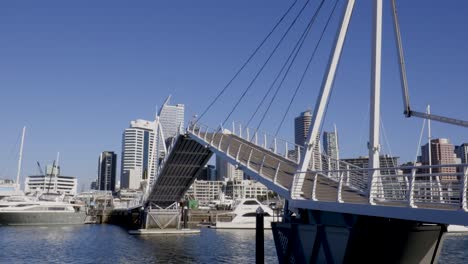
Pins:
<point x="462" y="152"/>
<point x="107" y="168"/>
<point x="301" y="130"/>
<point x="301" y="127"/>
<point x="225" y="169"/>
<point x="137" y="146"/>
<point x="171" y="118"/>
<point x="442" y="152"/>
<point x="330" y="144"/>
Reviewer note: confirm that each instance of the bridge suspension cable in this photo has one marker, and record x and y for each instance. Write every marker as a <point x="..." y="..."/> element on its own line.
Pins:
<point x="294" y="53"/>
<point x="247" y="61"/>
<point x="306" y="69"/>
<point x="284" y="76"/>
<point x="265" y="63"/>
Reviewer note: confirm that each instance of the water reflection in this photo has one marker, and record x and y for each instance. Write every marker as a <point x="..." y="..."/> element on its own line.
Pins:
<point x="111" y="244"/>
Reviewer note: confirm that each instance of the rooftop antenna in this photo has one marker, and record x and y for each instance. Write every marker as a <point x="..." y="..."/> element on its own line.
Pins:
<point x="20" y="160"/>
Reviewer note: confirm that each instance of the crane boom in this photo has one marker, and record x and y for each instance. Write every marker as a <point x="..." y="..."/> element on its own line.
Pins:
<point x="404" y="82"/>
<point x="40" y="169"/>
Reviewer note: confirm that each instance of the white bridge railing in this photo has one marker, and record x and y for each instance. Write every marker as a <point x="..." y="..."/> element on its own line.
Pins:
<point x="269" y="164"/>
<point x="320" y="163"/>
<point x="445" y="187"/>
<point x="413" y="186"/>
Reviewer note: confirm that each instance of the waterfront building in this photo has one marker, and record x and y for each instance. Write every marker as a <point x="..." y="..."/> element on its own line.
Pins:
<point x="107" y="166"/>
<point x="171" y="118"/>
<point x="330" y="144"/>
<point x="208" y="191"/>
<point x="205" y="191"/>
<point x="137" y="147"/>
<point x="301" y="130"/>
<point x="50" y="182"/>
<point x="442" y="152"/>
<point x="245" y="189"/>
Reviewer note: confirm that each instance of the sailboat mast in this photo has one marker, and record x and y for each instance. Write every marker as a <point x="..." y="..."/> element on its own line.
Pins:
<point x="20" y="159"/>
<point x="56" y="171"/>
<point x="374" y="132"/>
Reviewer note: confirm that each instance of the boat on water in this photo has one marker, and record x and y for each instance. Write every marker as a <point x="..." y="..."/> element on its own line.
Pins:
<point x="47" y="209"/>
<point x="457" y="229"/>
<point x="244" y="216"/>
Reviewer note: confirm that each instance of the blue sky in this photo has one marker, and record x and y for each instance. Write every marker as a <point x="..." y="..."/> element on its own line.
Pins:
<point x="76" y="72"/>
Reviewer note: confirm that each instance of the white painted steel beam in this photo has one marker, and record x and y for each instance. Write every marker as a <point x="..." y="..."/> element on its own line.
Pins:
<point x="323" y="99"/>
<point x="404" y="82"/>
<point x="374" y="126"/>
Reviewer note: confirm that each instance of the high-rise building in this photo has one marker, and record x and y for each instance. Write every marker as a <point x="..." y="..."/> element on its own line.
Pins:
<point x="330" y="144"/>
<point x="211" y="172"/>
<point x="301" y="127"/>
<point x="442" y="152"/>
<point x="93" y="185"/>
<point x="208" y="173"/>
<point x="226" y="170"/>
<point x="462" y="152"/>
<point x="171" y="118"/>
<point x="137" y="146"/>
<point x="107" y="171"/>
<point x="301" y="131"/>
<point x="138" y="158"/>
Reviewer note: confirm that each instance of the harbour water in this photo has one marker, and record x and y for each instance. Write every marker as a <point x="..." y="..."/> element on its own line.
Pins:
<point x="112" y="244"/>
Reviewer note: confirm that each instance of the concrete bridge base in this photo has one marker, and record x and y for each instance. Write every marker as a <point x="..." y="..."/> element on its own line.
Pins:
<point x="326" y="237"/>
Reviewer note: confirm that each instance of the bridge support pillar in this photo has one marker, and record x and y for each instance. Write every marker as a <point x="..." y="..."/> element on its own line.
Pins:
<point x="162" y="218"/>
<point x="326" y="237"/>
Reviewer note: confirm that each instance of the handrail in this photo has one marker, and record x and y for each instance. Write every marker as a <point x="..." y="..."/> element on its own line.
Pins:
<point x="413" y="188"/>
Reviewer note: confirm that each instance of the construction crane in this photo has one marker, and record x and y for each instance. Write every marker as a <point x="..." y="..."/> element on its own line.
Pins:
<point x="404" y="82"/>
<point x="40" y="169"/>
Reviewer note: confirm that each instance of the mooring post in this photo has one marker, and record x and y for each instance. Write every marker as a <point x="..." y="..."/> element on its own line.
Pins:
<point x="259" y="238"/>
<point x="142" y="215"/>
<point x="185" y="217"/>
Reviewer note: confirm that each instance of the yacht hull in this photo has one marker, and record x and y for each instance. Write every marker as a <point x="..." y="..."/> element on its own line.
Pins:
<point x="457" y="229"/>
<point x="42" y="218"/>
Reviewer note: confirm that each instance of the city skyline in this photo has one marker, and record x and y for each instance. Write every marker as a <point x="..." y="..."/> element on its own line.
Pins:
<point x="57" y="92"/>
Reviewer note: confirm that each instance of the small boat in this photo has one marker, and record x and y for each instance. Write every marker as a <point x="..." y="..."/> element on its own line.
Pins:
<point x="24" y="210"/>
<point x="457" y="229"/>
<point x="244" y="216"/>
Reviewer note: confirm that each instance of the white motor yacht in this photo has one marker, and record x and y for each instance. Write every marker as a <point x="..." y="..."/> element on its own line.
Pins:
<point x="24" y="210"/>
<point x="457" y="229"/>
<point x="244" y="216"/>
